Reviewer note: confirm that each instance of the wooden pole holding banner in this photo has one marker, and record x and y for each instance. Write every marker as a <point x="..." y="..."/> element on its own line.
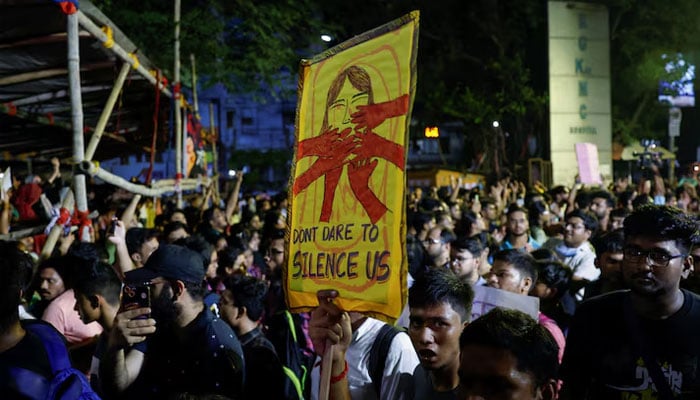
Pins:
<point x="79" y="184"/>
<point x="107" y="112"/>
<point x="326" y="364"/>
<point x="178" y="95"/>
<point x="215" y="153"/>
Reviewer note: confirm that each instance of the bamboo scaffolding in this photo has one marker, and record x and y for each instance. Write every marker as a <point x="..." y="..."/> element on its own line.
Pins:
<point x="178" y="95"/>
<point x="156" y="190"/>
<point x="95" y="31"/>
<point x="22" y="233"/>
<point x="194" y="86"/>
<point x="46" y="251"/>
<point x="107" y="111"/>
<point x="79" y="185"/>
<point x="215" y="154"/>
<point x="39" y="98"/>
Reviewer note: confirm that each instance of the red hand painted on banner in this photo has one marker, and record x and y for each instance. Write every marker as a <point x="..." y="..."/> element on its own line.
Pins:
<point x="333" y="150"/>
<point x="372" y="115"/>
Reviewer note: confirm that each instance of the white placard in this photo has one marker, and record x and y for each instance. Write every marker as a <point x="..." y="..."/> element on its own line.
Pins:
<point x="487" y="298"/>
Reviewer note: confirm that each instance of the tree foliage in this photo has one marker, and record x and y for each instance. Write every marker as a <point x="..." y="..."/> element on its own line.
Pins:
<point x="640" y="33"/>
<point x="478" y="61"/>
<point x="250" y="47"/>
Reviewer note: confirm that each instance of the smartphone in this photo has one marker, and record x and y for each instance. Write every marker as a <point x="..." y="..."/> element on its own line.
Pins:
<point x="136" y="296"/>
<point x="112" y="226"/>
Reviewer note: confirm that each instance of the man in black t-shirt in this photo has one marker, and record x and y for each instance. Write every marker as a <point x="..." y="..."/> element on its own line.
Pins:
<point x="641" y="342"/>
<point x="19" y="349"/>
<point x="189" y="351"/>
<point x="242" y="306"/>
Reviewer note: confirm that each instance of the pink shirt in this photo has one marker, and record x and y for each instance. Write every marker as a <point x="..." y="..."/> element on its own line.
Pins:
<point x="556" y="332"/>
<point x="61" y="314"/>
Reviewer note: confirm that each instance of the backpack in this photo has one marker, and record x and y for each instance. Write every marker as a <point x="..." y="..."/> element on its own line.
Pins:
<point x="378" y="354"/>
<point x="67" y="383"/>
<point x="288" y="338"/>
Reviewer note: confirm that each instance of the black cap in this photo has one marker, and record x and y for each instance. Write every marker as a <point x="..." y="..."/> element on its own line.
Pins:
<point x="172" y="262"/>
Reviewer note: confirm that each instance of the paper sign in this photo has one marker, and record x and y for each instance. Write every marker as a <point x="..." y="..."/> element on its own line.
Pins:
<point x="6" y="182"/>
<point x="347" y="210"/>
<point x="487" y="298"/>
<point x="588" y="167"/>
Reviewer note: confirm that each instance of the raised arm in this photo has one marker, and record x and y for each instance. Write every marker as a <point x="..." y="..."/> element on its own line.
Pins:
<point x="232" y="200"/>
<point x="123" y="262"/>
<point x="56" y="163"/>
<point x="5" y="213"/>
<point x="130" y="211"/>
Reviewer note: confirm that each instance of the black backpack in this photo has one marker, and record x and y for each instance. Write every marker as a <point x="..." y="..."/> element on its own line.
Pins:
<point x="67" y="383"/>
<point x="288" y="338"/>
<point x="378" y="354"/>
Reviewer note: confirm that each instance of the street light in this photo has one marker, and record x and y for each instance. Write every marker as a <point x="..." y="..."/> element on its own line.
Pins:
<point x="496" y="124"/>
<point x="326" y="38"/>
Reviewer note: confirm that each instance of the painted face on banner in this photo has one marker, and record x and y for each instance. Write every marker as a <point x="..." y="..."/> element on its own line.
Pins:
<point x="345" y="105"/>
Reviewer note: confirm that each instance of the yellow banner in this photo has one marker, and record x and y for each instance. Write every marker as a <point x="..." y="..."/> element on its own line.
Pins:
<point x="347" y="210"/>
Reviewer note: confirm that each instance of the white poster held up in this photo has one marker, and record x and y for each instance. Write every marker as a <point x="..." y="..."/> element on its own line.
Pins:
<point x="487" y="298"/>
<point x="588" y="166"/>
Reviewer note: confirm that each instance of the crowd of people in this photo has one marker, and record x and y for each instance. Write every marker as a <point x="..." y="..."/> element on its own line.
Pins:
<point x="614" y="270"/>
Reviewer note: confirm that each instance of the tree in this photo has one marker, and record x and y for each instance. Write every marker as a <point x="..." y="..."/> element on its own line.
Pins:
<point x="250" y="47"/>
<point x="475" y="64"/>
<point x="478" y="61"/>
<point x="640" y="33"/>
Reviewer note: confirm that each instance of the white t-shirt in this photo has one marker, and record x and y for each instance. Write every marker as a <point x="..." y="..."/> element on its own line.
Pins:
<point x="400" y="363"/>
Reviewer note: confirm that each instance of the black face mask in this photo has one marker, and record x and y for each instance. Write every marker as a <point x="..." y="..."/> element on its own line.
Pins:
<point x="163" y="307"/>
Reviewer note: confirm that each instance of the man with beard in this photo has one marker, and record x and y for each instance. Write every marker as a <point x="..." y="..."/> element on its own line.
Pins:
<point x="437" y="248"/>
<point x="602" y="203"/>
<point x="440" y="307"/>
<point x="641" y="342"/>
<point x="518" y="231"/>
<point x="466" y="259"/>
<point x="188" y="351"/>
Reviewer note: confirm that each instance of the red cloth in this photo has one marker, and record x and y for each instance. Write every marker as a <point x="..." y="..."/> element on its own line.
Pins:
<point x="24" y="199"/>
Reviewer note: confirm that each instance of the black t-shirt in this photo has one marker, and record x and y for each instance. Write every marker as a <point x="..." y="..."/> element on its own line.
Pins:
<point x="204" y="357"/>
<point x="264" y="376"/>
<point x="602" y="360"/>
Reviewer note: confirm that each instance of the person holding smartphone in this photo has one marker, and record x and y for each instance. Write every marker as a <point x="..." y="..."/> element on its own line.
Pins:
<point x="188" y="349"/>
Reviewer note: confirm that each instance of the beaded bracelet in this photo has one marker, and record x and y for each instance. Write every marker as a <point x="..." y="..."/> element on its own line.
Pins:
<point x="336" y="379"/>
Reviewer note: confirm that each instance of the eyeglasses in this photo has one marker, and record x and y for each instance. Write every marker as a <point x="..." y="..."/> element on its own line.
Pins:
<point x="653" y="257"/>
<point x="574" y="226"/>
<point x="430" y="241"/>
